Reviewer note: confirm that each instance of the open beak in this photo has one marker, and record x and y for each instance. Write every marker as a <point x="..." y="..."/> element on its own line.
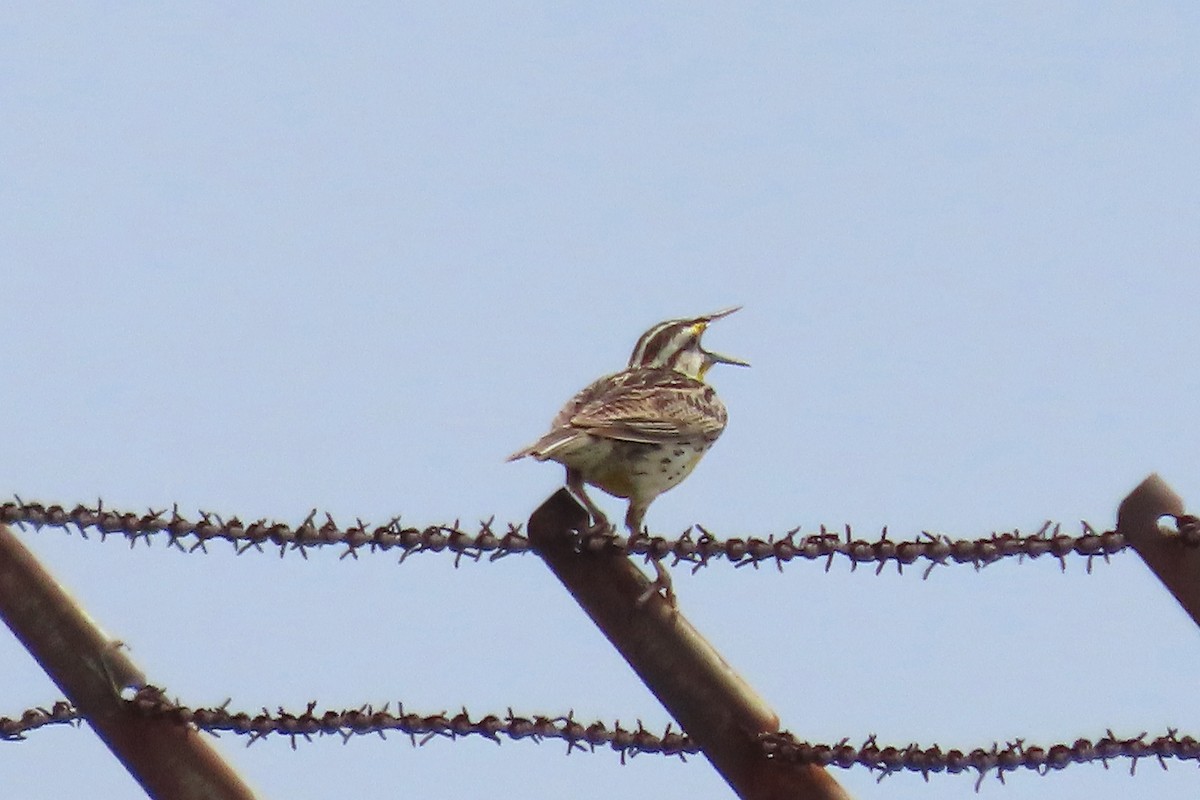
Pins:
<point x="717" y="358"/>
<point x="707" y="318"/>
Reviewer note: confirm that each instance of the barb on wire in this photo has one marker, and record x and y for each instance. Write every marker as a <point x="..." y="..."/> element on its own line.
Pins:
<point x="61" y="713"/>
<point x="629" y="742"/>
<point x="1014" y="755"/>
<point x="366" y="719"/>
<point x="698" y="550"/>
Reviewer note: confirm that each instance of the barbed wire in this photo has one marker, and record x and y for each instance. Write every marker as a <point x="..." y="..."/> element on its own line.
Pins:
<point x="1014" y="755"/>
<point x="629" y="742"/>
<point x="698" y="551"/>
<point x="366" y="719"/>
<point x="15" y="728"/>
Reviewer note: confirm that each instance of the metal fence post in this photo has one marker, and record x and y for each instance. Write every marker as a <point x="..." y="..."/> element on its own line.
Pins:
<point x="715" y="706"/>
<point x="171" y="761"/>
<point x="1175" y="564"/>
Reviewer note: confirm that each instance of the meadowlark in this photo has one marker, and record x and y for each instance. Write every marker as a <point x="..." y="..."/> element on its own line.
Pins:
<point x="637" y="433"/>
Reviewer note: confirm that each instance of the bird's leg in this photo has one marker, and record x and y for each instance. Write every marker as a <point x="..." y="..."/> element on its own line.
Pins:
<point x="600" y="522"/>
<point x="662" y="583"/>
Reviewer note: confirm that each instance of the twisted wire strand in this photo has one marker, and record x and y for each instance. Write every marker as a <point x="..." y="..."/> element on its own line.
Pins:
<point x="61" y="713"/>
<point x="367" y="719"/>
<point x="629" y="742"/>
<point x="1014" y="755"/>
<point x="489" y="538"/>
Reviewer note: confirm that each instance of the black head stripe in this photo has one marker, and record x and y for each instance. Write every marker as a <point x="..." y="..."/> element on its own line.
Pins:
<point x="650" y="346"/>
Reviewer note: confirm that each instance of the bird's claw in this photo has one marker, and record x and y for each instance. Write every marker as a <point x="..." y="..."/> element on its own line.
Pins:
<point x="599" y="527"/>
<point x="662" y="583"/>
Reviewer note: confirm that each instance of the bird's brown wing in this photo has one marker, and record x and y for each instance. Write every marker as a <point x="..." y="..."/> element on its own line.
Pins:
<point x="651" y="406"/>
<point x="561" y="431"/>
<point x="638" y="405"/>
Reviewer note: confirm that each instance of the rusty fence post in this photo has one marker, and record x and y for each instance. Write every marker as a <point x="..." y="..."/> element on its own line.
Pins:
<point x="712" y="703"/>
<point x="1176" y="564"/>
<point x="171" y="761"/>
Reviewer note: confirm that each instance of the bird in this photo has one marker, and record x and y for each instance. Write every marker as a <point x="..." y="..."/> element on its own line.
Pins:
<point x="640" y="432"/>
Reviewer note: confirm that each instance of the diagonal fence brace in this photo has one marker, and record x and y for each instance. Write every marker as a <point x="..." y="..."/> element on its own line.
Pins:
<point x="1163" y="550"/>
<point x="170" y="761"/>
<point x="715" y="706"/>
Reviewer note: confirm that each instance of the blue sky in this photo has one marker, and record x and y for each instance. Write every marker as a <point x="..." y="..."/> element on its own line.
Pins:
<point x="263" y="258"/>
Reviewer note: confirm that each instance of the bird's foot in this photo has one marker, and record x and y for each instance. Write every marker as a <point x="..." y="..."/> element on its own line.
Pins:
<point x="600" y="526"/>
<point x="596" y="527"/>
<point x="661" y="584"/>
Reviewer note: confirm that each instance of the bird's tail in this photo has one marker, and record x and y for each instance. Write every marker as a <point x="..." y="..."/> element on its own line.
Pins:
<point x="545" y="447"/>
<point x="522" y="453"/>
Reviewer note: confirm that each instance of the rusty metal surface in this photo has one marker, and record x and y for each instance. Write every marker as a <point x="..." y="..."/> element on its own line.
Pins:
<point x="701" y="691"/>
<point x="589" y="736"/>
<point x="1138" y="527"/>
<point x="1172" y="554"/>
<point x="583" y="736"/>
<point x="1015" y="755"/>
<point x="1165" y="551"/>
<point x="171" y="762"/>
<point x="696" y="547"/>
<point x="369" y="720"/>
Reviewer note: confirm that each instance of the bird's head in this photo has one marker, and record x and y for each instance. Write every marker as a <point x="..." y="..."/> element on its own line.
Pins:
<point x="675" y="344"/>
